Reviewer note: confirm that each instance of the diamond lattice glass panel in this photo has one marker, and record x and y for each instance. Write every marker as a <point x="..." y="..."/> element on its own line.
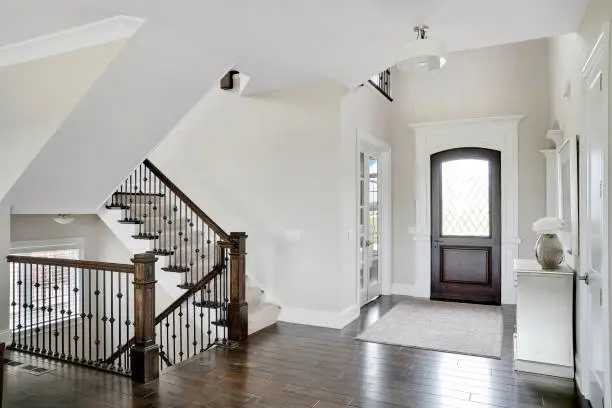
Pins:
<point x="465" y="198"/>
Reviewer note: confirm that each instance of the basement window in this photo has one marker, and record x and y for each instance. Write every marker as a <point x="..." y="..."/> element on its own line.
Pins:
<point x="49" y="277"/>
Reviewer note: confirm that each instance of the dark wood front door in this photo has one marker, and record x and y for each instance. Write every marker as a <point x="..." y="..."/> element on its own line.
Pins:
<point x="466" y="225"/>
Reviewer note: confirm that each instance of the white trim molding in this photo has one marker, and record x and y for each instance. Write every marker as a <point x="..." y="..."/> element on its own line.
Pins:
<point x="87" y="35"/>
<point x="537" y="367"/>
<point x="320" y="318"/>
<point x="496" y="133"/>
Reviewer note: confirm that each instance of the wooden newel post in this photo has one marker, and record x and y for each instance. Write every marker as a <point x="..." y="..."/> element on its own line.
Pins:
<point x="145" y="353"/>
<point x="238" y="310"/>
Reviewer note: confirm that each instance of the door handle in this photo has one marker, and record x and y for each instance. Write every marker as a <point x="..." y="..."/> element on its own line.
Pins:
<point x="435" y="243"/>
<point x="586" y="278"/>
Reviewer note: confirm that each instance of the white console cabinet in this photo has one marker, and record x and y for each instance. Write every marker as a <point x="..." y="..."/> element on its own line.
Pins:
<point x="544" y="319"/>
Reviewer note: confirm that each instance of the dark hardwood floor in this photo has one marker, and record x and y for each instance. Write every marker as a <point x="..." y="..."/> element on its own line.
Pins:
<point x="301" y="366"/>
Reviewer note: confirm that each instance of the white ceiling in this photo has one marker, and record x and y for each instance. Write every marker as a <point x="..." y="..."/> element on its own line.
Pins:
<point x="286" y="42"/>
<point x="183" y="47"/>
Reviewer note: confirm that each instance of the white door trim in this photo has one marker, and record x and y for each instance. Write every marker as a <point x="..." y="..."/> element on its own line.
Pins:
<point x="364" y="139"/>
<point x="497" y="133"/>
<point x="600" y="54"/>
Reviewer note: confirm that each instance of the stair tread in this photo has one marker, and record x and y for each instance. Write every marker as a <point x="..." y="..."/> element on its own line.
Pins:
<point x="209" y="304"/>
<point x="175" y="268"/>
<point x="139" y="194"/>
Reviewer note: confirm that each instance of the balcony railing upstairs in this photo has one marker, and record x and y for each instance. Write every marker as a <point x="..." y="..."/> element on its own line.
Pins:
<point x="382" y="82"/>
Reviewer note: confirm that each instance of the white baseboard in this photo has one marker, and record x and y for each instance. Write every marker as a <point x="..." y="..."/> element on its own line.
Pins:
<point x="5" y="336"/>
<point x="321" y="318"/>
<point x="544" y="369"/>
<point x="578" y="374"/>
<point x="408" y="290"/>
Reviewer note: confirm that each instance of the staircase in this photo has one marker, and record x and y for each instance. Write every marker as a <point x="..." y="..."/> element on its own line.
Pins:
<point x="163" y="221"/>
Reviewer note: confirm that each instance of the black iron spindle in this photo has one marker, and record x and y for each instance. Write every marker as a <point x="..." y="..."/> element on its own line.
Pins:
<point x="112" y="319"/>
<point x="43" y="309"/>
<point x="120" y="324"/>
<point x="83" y="316"/>
<point x="57" y="306"/>
<point x="97" y="295"/>
<point x="89" y="316"/>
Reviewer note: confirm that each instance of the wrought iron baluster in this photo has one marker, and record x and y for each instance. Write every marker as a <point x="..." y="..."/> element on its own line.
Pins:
<point x="104" y="317"/>
<point x="189" y="246"/>
<point x="13" y="304"/>
<point x="36" y="329"/>
<point x="112" y="317"/>
<point x="131" y="200"/>
<point x="174" y="336"/>
<point x="208" y="327"/>
<point x="97" y="295"/>
<point x="167" y="337"/>
<point x="89" y="316"/>
<point x="225" y="296"/>
<point x="128" y="322"/>
<point x="75" y="312"/>
<point x="187" y="326"/>
<point x="57" y="306"/>
<point x="68" y="313"/>
<point x="120" y="324"/>
<point x="152" y="201"/>
<point x="83" y="315"/>
<point x="216" y="298"/>
<point x="180" y="314"/>
<point x="180" y="234"/>
<point x="43" y="309"/>
<point x="50" y="309"/>
<point x="21" y="324"/>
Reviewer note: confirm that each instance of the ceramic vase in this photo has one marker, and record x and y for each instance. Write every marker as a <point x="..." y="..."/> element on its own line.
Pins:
<point x="549" y="251"/>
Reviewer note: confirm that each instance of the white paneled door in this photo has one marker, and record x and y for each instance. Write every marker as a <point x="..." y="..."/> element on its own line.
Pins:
<point x="594" y="235"/>
<point x="369" y="237"/>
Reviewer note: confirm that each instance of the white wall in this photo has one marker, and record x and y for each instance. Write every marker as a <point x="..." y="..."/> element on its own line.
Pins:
<point x="496" y="81"/>
<point x="5" y="246"/>
<point x="273" y="166"/>
<point x="36" y="97"/>
<point x="100" y="243"/>
<point x="568" y="53"/>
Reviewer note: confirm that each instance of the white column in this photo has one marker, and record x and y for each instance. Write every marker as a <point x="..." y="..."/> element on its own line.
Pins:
<point x="552" y="185"/>
<point x="5" y="246"/>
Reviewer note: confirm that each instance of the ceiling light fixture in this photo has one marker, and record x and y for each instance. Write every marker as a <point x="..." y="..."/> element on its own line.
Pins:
<point x="63" y="219"/>
<point x="424" y="54"/>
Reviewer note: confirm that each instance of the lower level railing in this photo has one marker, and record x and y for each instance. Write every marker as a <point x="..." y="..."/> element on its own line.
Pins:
<point x="102" y="315"/>
<point x="72" y="310"/>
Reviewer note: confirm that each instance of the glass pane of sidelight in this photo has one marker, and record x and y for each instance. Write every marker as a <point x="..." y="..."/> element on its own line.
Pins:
<point x="465" y="198"/>
<point x="361" y="164"/>
<point x="373" y="219"/>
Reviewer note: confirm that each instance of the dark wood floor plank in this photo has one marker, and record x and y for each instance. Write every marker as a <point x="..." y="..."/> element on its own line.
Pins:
<point x="295" y="366"/>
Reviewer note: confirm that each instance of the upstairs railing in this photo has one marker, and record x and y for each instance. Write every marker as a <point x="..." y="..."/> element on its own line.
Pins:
<point x="382" y="82"/>
<point x="90" y="313"/>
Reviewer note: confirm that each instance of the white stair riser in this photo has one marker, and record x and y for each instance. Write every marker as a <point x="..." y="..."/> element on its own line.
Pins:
<point x="262" y="317"/>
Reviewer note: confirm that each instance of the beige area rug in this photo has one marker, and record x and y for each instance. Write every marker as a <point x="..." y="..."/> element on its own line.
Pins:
<point x="444" y="326"/>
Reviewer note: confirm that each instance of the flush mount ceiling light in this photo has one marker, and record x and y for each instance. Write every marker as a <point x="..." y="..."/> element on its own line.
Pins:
<point x="63" y="219"/>
<point x="424" y="54"/>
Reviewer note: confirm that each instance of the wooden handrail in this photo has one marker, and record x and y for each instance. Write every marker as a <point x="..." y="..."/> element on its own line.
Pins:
<point x="172" y="307"/>
<point x="74" y="263"/>
<point x="179" y="193"/>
